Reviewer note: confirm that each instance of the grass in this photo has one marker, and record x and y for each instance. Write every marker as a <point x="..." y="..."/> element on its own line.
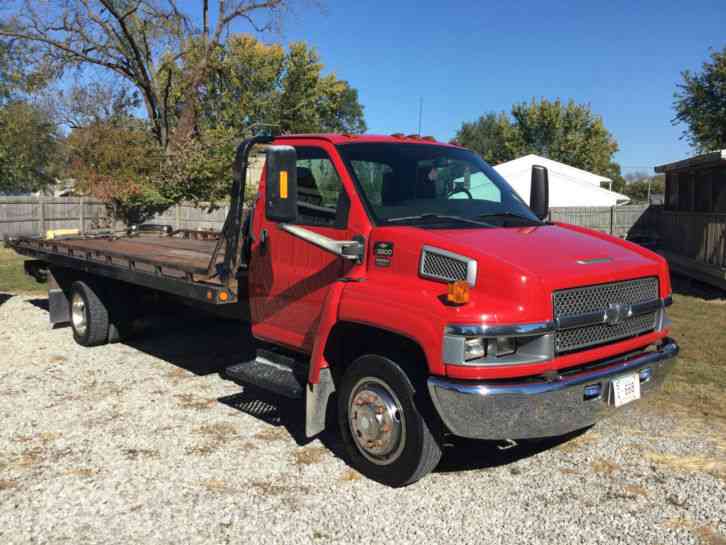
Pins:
<point x="698" y="382"/>
<point x="12" y="277"/>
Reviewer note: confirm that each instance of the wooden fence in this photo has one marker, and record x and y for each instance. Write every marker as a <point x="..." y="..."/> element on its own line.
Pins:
<point x="189" y="216"/>
<point x="35" y="215"/>
<point x="622" y="221"/>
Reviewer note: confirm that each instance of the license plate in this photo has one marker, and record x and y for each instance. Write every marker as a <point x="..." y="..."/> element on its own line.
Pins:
<point x="626" y="389"/>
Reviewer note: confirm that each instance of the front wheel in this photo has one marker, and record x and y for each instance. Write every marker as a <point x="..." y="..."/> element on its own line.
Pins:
<point x="385" y="436"/>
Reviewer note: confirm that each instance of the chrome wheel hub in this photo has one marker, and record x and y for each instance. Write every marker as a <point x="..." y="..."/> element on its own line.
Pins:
<point x="78" y="314"/>
<point x="376" y="421"/>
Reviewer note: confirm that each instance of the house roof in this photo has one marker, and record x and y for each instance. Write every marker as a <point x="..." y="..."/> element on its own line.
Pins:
<point x="562" y="169"/>
<point x="569" y="186"/>
<point x="705" y="159"/>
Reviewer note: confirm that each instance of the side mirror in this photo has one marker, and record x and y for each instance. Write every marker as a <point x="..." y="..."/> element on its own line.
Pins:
<point x="539" y="195"/>
<point x="281" y="184"/>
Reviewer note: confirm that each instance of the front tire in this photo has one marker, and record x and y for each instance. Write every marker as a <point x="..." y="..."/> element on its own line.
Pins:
<point x="385" y="436"/>
<point x="89" y="315"/>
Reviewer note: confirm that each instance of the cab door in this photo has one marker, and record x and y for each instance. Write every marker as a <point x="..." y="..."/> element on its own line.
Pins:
<point x="289" y="278"/>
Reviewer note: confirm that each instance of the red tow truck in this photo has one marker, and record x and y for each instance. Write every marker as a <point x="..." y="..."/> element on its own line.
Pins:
<point x="401" y="282"/>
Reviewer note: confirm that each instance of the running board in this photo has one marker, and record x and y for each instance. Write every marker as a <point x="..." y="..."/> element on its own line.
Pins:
<point x="278" y="373"/>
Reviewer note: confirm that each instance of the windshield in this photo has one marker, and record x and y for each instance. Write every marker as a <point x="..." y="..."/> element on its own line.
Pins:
<point x="435" y="185"/>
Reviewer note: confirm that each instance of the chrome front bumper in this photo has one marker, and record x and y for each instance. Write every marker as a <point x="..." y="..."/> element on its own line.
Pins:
<point x="543" y="408"/>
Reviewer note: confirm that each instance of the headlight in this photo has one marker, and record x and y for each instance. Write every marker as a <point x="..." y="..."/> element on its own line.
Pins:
<point x="483" y="345"/>
<point x="502" y="346"/>
<point x="474" y="348"/>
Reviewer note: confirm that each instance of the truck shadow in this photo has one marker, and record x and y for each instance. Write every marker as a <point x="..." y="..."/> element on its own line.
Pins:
<point x="193" y="341"/>
<point x="469" y="454"/>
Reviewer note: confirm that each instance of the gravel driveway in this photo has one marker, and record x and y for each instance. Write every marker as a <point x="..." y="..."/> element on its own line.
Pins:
<point x="145" y="443"/>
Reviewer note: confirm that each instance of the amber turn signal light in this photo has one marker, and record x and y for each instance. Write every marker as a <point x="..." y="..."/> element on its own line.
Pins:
<point x="458" y="292"/>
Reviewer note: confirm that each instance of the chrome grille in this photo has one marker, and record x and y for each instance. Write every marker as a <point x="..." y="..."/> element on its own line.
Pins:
<point x="582" y="337"/>
<point x="589" y="299"/>
<point x="445" y="266"/>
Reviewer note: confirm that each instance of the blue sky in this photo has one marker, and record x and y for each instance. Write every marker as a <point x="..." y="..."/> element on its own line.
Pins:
<point x="468" y="58"/>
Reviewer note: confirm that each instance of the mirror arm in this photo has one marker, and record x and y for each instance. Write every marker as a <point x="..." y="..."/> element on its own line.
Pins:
<point x="348" y="249"/>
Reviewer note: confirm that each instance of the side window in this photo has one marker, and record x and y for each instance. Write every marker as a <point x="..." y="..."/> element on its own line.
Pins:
<point x="321" y="199"/>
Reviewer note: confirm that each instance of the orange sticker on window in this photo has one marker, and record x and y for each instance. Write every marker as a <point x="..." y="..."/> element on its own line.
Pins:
<point x="283" y="184"/>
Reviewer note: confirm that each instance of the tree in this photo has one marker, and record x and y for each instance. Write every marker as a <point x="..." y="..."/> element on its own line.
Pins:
<point x="119" y="163"/>
<point x="490" y="136"/>
<point x="700" y="103"/>
<point x="94" y="103"/>
<point x="252" y="84"/>
<point x="569" y="133"/>
<point x="29" y="143"/>
<point x="640" y="186"/>
<point x="21" y="71"/>
<point x="149" y="43"/>
<point x="28" y="148"/>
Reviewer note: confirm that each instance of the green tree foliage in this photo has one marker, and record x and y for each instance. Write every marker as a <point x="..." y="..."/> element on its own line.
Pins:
<point x="28" y="148"/>
<point x="700" y="103"/>
<point x="490" y="136"/>
<point x="640" y="185"/>
<point x="252" y="84"/>
<point x="567" y="132"/>
<point x="22" y="71"/>
<point x="29" y="144"/>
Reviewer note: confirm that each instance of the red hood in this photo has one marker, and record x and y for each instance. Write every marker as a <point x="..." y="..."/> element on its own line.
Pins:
<point x="556" y="255"/>
<point x="518" y="268"/>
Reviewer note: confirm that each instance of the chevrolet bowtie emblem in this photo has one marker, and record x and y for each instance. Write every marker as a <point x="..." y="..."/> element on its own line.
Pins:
<point x="616" y="313"/>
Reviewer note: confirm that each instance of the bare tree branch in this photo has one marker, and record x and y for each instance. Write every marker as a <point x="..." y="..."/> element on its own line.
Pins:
<point x="153" y="44"/>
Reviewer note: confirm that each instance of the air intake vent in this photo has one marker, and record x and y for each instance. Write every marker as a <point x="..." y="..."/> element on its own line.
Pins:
<point x="446" y="266"/>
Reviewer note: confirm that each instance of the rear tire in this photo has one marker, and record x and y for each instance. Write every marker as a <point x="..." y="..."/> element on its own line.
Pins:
<point x="385" y="436"/>
<point x="89" y="315"/>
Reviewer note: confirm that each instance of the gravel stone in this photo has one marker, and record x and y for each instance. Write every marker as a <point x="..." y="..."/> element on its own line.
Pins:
<point x="145" y="443"/>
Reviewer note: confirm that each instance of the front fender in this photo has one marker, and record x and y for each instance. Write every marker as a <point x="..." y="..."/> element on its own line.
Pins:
<point x="410" y="314"/>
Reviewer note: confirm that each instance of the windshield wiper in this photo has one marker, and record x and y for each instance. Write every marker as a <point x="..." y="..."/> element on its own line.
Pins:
<point x="508" y="215"/>
<point x="419" y="217"/>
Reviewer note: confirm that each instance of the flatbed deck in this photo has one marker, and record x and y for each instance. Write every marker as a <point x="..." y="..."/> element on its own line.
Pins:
<point x="184" y="263"/>
<point x="173" y="253"/>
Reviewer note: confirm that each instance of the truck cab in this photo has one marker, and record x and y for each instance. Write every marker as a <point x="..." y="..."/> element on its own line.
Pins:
<point x="430" y="299"/>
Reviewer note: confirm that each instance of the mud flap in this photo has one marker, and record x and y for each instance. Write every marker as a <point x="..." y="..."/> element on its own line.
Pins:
<point x="59" y="308"/>
<point x="316" y="403"/>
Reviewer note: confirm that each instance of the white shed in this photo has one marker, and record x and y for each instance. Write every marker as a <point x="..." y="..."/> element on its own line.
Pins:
<point x="569" y="186"/>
